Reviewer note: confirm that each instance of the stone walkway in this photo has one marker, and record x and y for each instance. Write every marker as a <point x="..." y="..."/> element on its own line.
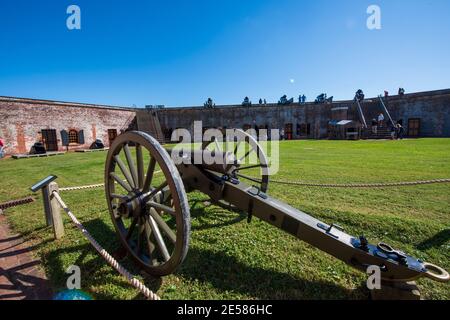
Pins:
<point x="20" y="274"/>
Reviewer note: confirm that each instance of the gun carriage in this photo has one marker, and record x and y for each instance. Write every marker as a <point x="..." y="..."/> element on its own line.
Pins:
<point x="150" y="212"/>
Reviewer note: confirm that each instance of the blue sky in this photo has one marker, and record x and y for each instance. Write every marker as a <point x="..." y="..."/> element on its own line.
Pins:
<point x="179" y="53"/>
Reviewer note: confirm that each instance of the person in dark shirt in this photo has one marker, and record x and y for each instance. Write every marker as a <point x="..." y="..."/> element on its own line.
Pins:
<point x="393" y="132"/>
<point x="400" y="131"/>
<point x="374" y="126"/>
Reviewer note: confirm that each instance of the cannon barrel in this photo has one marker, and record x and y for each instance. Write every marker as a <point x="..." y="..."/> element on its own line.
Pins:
<point x="217" y="161"/>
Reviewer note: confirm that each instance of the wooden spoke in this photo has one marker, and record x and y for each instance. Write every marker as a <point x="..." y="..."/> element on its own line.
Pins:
<point x="159" y="239"/>
<point x="140" y="236"/>
<point x="120" y="181"/>
<point x="150" y="173"/>
<point x="140" y="166"/>
<point x="237" y="147"/>
<point x="164" y="227"/>
<point x="246" y="155"/>
<point x="118" y="196"/>
<point x="152" y="193"/>
<point x="162" y="207"/>
<point x="164" y="196"/>
<point x="249" y="178"/>
<point x="130" y="161"/>
<point x="251" y="167"/>
<point x="124" y="170"/>
<point x="150" y="245"/>
<point x="131" y="229"/>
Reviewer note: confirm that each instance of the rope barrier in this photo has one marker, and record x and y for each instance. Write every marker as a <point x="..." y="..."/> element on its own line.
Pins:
<point x="354" y="185"/>
<point x="307" y="184"/>
<point x="92" y="186"/>
<point x="113" y="262"/>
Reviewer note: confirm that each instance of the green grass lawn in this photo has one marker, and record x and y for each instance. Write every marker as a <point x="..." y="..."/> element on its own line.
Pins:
<point x="230" y="259"/>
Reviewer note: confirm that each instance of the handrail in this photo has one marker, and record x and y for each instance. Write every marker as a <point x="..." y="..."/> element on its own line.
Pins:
<point x="361" y="114"/>
<point x="386" y="110"/>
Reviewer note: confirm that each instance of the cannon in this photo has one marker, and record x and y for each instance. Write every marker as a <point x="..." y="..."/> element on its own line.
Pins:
<point x="97" y="144"/>
<point x="150" y="211"/>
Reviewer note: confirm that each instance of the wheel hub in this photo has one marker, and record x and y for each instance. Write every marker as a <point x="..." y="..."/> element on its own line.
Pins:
<point x="133" y="207"/>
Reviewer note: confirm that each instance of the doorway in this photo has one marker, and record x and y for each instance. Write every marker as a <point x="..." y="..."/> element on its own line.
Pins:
<point x="49" y="139"/>
<point x="288" y="131"/>
<point x="112" y="135"/>
<point x="414" y="127"/>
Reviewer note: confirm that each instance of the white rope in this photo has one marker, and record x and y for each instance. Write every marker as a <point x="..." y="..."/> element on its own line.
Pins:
<point x="92" y="186"/>
<point x="363" y="185"/>
<point x="113" y="262"/>
<point x="354" y="185"/>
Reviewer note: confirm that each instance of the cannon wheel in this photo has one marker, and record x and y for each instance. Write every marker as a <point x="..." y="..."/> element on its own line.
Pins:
<point x="245" y="146"/>
<point x="147" y="203"/>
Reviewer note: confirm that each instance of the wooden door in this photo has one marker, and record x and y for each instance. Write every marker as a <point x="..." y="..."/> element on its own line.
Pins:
<point x="414" y="128"/>
<point x="49" y="139"/>
<point x="112" y="135"/>
<point x="288" y="131"/>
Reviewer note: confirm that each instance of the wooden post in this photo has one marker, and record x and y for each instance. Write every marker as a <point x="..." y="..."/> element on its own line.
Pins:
<point x="47" y="206"/>
<point x="55" y="208"/>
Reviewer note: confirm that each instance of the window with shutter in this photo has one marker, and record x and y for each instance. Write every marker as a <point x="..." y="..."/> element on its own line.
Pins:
<point x="81" y="137"/>
<point x="73" y="136"/>
<point x="65" y="138"/>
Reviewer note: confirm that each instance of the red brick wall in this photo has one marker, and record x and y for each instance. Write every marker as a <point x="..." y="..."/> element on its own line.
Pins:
<point x="21" y="121"/>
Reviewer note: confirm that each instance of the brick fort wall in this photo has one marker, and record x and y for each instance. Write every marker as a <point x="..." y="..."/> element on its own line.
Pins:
<point x="22" y="121"/>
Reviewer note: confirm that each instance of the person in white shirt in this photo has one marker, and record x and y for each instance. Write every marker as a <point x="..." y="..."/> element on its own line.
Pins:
<point x="380" y="120"/>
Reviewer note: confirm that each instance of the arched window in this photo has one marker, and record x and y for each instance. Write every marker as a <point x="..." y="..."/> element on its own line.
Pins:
<point x="73" y="136"/>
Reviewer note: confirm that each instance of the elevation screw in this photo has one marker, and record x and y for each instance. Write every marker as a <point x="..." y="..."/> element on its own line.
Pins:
<point x="363" y="243"/>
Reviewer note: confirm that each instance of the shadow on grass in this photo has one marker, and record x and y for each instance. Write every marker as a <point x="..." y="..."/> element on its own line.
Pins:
<point x="223" y="272"/>
<point x="91" y="264"/>
<point x="203" y="216"/>
<point x="436" y="241"/>
<point x="226" y="273"/>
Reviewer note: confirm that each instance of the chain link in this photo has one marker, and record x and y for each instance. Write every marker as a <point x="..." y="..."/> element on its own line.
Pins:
<point x="15" y="203"/>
